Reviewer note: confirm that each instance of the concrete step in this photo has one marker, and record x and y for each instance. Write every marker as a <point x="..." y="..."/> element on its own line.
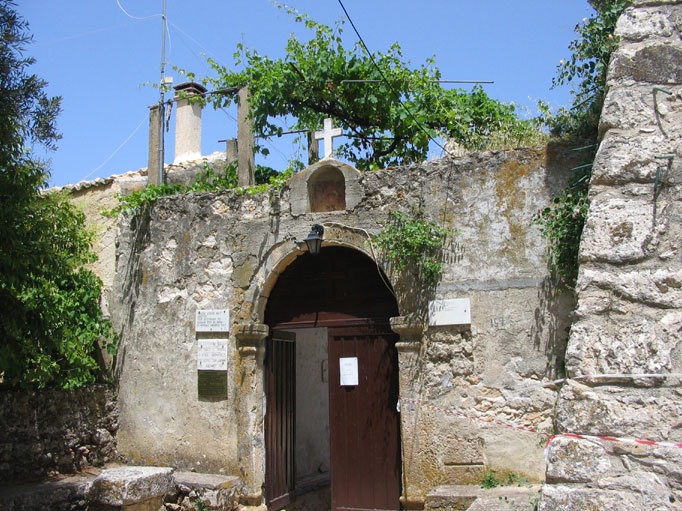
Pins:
<point x="475" y="498"/>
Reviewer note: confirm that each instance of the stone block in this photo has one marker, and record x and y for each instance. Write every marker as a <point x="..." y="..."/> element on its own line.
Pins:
<point x="127" y="486"/>
<point x="648" y="414"/>
<point x="627" y="108"/>
<point x="579" y="498"/>
<point x="464" y="474"/>
<point x="617" y="231"/>
<point x="573" y="460"/>
<point x="624" y="159"/>
<point x="622" y="341"/>
<point x="217" y="492"/>
<point x="475" y="498"/>
<point x="641" y="490"/>
<point x="463" y="451"/>
<point x="653" y="64"/>
<point x="639" y="24"/>
<point x="652" y="287"/>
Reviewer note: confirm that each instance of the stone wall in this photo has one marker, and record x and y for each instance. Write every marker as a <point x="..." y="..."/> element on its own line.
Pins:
<point x="224" y="250"/>
<point x="56" y="431"/>
<point x="624" y="356"/>
<point x="94" y="198"/>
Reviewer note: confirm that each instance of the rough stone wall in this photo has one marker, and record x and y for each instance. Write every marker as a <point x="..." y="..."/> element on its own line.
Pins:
<point x="100" y="195"/>
<point x="629" y="315"/>
<point x="223" y="250"/>
<point x="56" y="431"/>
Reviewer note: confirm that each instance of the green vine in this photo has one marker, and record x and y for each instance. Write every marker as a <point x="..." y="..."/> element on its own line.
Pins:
<point x="413" y="241"/>
<point x="208" y="180"/>
<point x="562" y="223"/>
<point x="390" y="110"/>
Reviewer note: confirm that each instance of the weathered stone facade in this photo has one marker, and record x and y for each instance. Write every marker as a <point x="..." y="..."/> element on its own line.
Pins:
<point x="474" y="397"/>
<point x="225" y="250"/>
<point x="629" y="315"/>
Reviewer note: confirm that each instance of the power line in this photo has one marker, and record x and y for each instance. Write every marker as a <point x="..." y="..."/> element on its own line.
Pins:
<point x="135" y="17"/>
<point x="84" y="34"/>
<point x="383" y="77"/>
<point x="117" y="149"/>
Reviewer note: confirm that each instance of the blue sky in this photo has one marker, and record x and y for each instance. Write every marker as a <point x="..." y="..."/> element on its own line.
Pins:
<point x="102" y="56"/>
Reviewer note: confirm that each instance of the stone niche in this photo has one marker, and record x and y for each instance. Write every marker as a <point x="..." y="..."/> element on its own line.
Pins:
<point x="328" y="185"/>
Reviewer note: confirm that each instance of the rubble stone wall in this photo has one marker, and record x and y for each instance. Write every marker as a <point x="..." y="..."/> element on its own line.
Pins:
<point x="56" y="431"/>
<point x="624" y="356"/>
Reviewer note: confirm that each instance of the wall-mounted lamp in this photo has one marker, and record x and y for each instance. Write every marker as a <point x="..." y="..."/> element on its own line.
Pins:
<point x="314" y="239"/>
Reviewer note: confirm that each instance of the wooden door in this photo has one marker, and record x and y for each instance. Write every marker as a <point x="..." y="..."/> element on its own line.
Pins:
<point x="280" y="420"/>
<point x="364" y="421"/>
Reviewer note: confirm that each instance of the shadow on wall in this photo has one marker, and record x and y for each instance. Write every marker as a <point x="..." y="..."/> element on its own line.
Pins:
<point x="553" y="320"/>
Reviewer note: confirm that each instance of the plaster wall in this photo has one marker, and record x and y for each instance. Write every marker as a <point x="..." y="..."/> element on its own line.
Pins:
<point x="312" y="405"/>
<point x="224" y="250"/>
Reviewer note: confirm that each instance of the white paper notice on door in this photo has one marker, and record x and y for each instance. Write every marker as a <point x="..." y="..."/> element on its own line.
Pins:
<point x="349" y="371"/>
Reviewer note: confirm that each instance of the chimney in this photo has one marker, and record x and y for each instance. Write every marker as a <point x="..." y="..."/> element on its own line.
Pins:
<point x="187" y="122"/>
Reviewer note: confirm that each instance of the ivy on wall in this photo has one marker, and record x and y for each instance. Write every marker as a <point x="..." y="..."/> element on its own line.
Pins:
<point x="412" y="241"/>
<point x="562" y="223"/>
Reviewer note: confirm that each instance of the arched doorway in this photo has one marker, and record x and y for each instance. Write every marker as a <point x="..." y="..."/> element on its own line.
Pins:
<point x="331" y="346"/>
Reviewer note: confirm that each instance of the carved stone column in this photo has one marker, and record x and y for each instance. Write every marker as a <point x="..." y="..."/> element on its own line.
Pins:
<point x="251" y="442"/>
<point x="411" y="332"/>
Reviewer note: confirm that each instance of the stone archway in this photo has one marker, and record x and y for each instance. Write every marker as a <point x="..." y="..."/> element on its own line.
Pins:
<point x="339" y="298"/>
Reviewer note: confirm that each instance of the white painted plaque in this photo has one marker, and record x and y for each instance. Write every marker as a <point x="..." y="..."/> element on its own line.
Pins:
<point x="212" y="355"/>
<point x="217" y="320"/>
<point x="349" y="371"/>
<point x="450" y="312"/>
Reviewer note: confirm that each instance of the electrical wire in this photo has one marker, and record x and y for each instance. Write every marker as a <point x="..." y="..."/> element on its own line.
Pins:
<point x="383" y="77"/>
<point x="117" y="149"/>
<point x="84" y="34"/>
<point x="198" y="43"/>
<point x="145" y="18"/>
<point x="135" y="17"/>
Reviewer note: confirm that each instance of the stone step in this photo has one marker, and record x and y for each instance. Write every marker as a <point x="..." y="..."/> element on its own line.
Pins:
<point x="216" y="492"/>
<point x="132" y="489"/>
<point x="125" y="488"/>
<point x="475" y="498"/>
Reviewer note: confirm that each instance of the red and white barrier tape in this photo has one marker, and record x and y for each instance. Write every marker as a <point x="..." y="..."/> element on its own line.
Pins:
<point x="621" y="440"/>
<point x="452" y="411"/>
<point x="615" y="377"/>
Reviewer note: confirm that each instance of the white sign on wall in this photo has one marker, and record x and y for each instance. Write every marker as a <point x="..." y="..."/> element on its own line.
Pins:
<point x="212" y="355"/>
<point x="450" y="312"/>
<point x="217" y="320"/>
<point x="348" y="368"/>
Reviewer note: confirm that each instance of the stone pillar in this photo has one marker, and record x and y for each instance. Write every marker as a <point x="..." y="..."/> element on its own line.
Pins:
<point x="154" y="173"/>
<point x="623" y="357"/>
<point x="411" y="332"/>
<point x="231" y="151"/>
<point x="188" y="122"/>
<point x="251" y="442"/>
<point x="245" y="141"/>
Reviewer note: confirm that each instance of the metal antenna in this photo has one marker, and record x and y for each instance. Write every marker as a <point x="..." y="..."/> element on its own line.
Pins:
<point x="162" y="99"/>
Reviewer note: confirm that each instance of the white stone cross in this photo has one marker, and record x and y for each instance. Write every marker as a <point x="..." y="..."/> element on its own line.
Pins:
<point x="328" y="134"/>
